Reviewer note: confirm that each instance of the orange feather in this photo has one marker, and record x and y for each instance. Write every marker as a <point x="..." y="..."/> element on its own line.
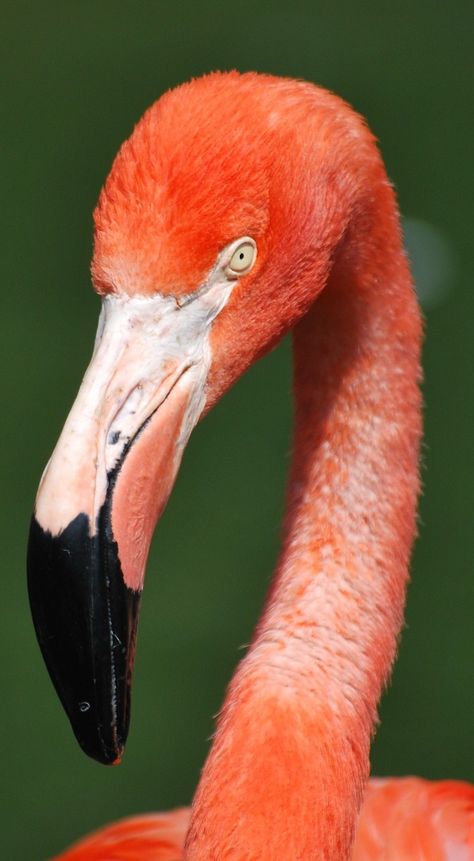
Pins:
<point x="152" y="837"/>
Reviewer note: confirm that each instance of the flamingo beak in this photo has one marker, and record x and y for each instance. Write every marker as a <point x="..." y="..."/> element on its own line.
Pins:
<point x="100" y="496"/>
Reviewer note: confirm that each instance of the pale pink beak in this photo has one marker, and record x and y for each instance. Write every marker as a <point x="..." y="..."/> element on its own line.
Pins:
<point x="101" y="494"/>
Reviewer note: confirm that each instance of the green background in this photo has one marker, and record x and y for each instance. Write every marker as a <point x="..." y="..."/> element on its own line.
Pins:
<point x="76" y="76"/>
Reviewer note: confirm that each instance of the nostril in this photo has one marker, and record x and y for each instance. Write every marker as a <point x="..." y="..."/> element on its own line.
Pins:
<point x="114" y="437"/>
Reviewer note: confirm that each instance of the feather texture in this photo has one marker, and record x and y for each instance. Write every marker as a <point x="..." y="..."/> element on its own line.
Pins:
<point x="404" y="819"/>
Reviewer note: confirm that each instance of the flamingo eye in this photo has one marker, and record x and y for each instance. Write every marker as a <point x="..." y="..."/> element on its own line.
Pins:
<point x="242" y="259"/>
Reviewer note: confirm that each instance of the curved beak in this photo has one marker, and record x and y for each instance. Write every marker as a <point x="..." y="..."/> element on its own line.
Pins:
<point x="100" y="496"/>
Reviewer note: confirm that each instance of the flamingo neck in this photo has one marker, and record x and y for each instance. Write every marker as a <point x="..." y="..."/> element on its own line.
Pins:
<point x="293" y="740"/>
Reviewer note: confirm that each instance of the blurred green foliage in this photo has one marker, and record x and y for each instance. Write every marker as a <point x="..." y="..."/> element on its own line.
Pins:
<point x="75" y="78"/>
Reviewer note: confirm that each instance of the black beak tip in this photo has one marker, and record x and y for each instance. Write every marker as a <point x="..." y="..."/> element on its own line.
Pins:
<point x="95" y="745"/>
<point x="105" y="747"/>
<point x="85" y="619"/>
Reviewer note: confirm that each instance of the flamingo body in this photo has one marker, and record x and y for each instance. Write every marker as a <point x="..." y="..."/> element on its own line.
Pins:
<point x="243" y="207"/>
<point x="401" y="820"/>
<point x="155" y="837"/>
<point x="415" y="820"/>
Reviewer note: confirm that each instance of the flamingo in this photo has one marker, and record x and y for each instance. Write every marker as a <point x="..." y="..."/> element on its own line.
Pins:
<point x="241" y="207"/>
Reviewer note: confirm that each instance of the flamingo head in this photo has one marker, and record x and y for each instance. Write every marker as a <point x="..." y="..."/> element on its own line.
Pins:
<point x="212" y="237"/>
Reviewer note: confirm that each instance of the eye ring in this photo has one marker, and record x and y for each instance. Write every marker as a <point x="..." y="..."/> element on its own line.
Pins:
<point x="242" y="259"/>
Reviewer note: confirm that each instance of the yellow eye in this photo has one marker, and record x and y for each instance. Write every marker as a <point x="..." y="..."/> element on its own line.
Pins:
<point x="242" y="259"/>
